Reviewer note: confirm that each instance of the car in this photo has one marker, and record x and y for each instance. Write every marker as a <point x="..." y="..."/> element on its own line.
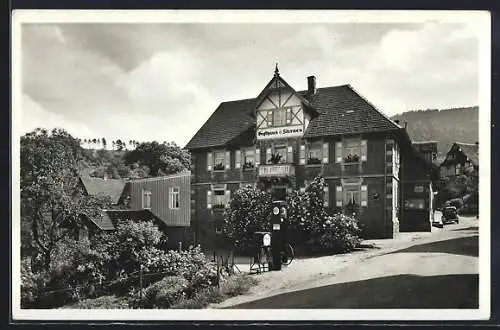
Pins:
<point x="437" y="220"/>
<point x="450" y="215"/>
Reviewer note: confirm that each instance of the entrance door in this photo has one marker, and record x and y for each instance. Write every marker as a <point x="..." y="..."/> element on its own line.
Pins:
<point x="279" y="193"/>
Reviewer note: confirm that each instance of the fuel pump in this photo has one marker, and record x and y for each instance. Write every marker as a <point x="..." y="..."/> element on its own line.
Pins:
<point x="277" y="219"/>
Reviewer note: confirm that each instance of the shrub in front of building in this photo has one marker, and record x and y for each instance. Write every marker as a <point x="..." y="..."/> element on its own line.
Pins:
<point x="310" y="226"/>
<point x="249" y="211"/>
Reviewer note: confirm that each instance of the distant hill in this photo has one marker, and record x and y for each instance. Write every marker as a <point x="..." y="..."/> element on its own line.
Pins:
<point x="445" y="126"/>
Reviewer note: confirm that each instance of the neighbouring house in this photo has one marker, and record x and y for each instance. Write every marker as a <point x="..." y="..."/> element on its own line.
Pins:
<point x="164" y="200"/>
<point x="105" y="187"/>
<point x="169" y="199"/>
<point x="283" y="138"/>
<point x="418" y="176"/>
<point x="428" y="150"/>
<point x="461" y="158"/>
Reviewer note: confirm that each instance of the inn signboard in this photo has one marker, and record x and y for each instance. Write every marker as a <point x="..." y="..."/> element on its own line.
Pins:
<point x="280" y="132"/>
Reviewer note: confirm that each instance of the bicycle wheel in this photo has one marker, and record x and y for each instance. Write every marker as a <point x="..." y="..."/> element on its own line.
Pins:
<point x="288" y="254"/>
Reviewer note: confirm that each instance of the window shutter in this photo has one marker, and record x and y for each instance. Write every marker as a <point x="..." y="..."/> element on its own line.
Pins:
<point x="364" y="195"/>
<point x="238" y="159"/>
<point x="209" y="161"/>
<point x="326" y="196"/>
<point x="228" y="196"/>
<point x="325" y="153"/>
<point x="257" y="157"/>
<point x="363" y="150"/>
<point x="338" y="152"/>
<point x="302" y="154"/>
<point x="338" y="196"/>
<point x="268" y="155"/>
<point x="290" y="154"/>
<point x="209" y="199"/>
<point x="228" y="160"/>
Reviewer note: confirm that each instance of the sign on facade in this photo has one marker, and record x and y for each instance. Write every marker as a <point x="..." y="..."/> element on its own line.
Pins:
<point x="280" y="132"/>
<point x="275" y="170"/>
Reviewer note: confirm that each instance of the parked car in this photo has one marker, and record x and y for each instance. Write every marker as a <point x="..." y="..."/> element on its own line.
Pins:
<point x="437" y="220"/>
<point x="450" y="214"/>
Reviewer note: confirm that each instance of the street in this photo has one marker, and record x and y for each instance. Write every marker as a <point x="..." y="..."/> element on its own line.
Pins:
<point x="439" y="270"/>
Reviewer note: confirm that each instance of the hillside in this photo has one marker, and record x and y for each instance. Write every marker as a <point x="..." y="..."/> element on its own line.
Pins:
<point x="445" y="126"/>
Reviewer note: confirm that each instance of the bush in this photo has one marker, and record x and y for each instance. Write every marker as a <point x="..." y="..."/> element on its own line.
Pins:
<point x="104" y="302"/>
<point x="161" y="294"/>
<point x="32" y="284"/>
<point x="249" y="211"/>
<point x="237" y="285"/>
<point x="340" y="234"/>
<point x="199" y="300"/>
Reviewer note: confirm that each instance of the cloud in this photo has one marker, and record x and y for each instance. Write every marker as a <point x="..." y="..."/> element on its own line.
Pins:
<point x="35" y="116"/>
<point x="162" y="81"/>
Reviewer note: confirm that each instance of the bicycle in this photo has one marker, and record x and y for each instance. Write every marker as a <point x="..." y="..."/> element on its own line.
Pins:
<point x="287" y="254"/>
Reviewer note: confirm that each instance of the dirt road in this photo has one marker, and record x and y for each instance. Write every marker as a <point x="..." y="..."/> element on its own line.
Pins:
<point x="417" y="270"/>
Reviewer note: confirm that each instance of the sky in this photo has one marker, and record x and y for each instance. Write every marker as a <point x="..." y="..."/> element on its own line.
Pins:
<point x="161" y="82"/>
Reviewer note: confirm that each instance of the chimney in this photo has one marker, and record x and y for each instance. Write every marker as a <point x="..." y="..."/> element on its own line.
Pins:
<point x="396" y="121"/>
<point x="311" y="85"/>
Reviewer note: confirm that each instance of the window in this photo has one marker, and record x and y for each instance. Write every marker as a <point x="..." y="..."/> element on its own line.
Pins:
<point x="351" y="196"/>
<point x="281" y="152"/>
<point x="219" y="160"/>
<point x="249" y="158"/>
<point x="279" y="117"/>
<point x="314" y="154"/>
<point x="352" y="151"/>
<point x="146" y="199"/>
<point x="218" y="197"/>
<point x="174" y="197"/>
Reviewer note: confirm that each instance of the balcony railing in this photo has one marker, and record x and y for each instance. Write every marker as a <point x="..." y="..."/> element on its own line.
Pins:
<point x="276" y="170"/>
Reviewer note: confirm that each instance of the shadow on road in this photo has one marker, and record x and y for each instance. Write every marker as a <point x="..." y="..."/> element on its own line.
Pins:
<point x="467" y="246"/>
<point x="401" y="291"/>
<point x="473" y="228"/>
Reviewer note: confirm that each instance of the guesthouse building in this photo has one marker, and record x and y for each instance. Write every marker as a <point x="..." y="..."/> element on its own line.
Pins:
<point x="282" y="139"/>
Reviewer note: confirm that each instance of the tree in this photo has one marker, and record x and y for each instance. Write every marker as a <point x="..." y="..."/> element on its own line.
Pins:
<point x="249" y="211"/>
<point x="161" y="159"/>
<point x="119" y="145"/>
<point x="52" y="202"/>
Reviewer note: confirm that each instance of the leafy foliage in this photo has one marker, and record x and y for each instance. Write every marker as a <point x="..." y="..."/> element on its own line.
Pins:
<point x="52" y="202"/>
<point x="161" y="158"/>
<point x="249" y="211"/>
<point x="308" y="225"/>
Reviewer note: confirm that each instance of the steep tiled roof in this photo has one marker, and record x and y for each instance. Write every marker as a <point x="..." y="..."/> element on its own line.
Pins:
<point x="470" y="150"/>
<point x="229" y="120"/>
<point x="341" y="111"/>
<point x="344" y="111"/>
<point x="110" y="218"/>
<point x="107" y="187"/>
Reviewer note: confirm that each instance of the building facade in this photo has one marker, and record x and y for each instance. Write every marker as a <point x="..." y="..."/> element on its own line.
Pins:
<point x="461" y="158"/>
<point x="164" y="200"/>
<point x="282" y="139"/>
